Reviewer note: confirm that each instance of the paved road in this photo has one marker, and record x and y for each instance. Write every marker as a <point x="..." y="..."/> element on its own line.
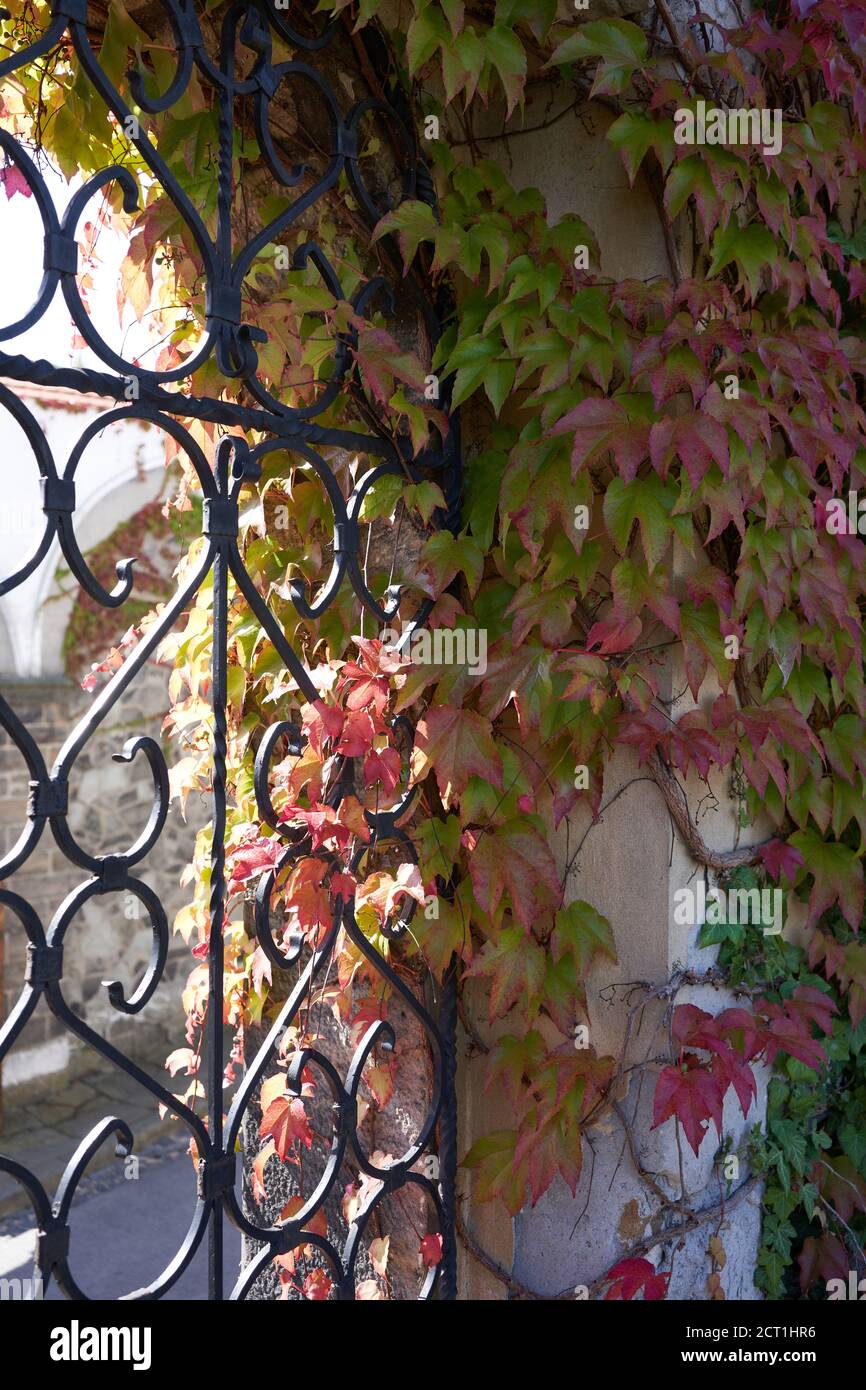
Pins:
<point x="125" y="1231"/>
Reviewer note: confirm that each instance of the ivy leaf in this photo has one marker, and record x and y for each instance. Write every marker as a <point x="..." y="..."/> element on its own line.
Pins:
<point x="14" y="182"/>
<point x="512" y="1058"/>
<point x="837" y="875"/>
<point x="621" y="45"/>
<point x="752" y="248"/>
<point x="852" y="974"/>
<point x="703" y="644"/>
<point x="634" y="133"/>
<point x="628" y="1277"/>
<point x="538" y="14"/>
<point x="638" y="501"/>
<point x="498" y="381"/>
<point x="505" y="52"/>
<point x="497" y="1174"/>
<point x="839" y="1181"/>
<point x="789" y="1032"/>
<point x="382" y="362"/>
<point x="515" y="965"/>
<point x="521" y="677"/>
<point x="431" y="1249"/>
<point x="600" y="426"/>
<point x="458" y="744"/>
<point x="584" y="934"/>
<point x="731" y="1070"/>
<point x="691" y="177"/>
<point x="472" y="360"/>
<point x="691" y="1093"/>
<point x="618" y="633"/>
<point x="285" y="1121"/>
<point x="454" y="12"/>
<point x="679" y="368"/>
<point x="564" y="993"/>
<point x="778" y="858"/>
<point x="515" y="858"/>
<point x="444" y="556"/>
<point x="481" y="496"/>
<point x="844" y="746"/>
<point x="426" y="497"/>
<point x="697" y="439"/>
<point x="414" y="222"/>
<point x="378" y="1252"/>
<point x="427" y="31"/>
<point x="551" y="1147"/>
<point x="550" y="609"/>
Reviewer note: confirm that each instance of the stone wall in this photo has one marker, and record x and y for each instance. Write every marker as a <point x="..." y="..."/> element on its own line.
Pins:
<point x="109" y="805"/>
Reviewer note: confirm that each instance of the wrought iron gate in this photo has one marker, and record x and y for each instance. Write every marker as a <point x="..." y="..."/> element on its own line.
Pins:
<point x="251" y="24"/>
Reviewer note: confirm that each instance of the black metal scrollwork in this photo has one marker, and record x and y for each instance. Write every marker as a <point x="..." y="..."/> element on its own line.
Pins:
<point x="162" y="401"/>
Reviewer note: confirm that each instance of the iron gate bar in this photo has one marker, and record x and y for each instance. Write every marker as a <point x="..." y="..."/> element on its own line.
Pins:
<point x="233" y="347"/>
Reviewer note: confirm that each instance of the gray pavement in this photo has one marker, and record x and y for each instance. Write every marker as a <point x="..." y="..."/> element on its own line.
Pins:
<point x="127" y="1220"/>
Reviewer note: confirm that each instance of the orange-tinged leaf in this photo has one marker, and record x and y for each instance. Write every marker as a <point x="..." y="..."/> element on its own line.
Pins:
<point x="515" y="858"/>
<point x="285" y="1121"/>
<point x="260" y="1162"/>
<point x="457" y="744"/>
<point x="497" y="1174"/>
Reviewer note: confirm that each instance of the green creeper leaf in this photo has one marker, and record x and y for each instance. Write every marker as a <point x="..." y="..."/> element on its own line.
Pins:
<point x="455" y="72"/>
<point x="445" y="556"/>
<point x="522" y="675"/>
<point x="550" y="609"/>
<point x="382" y="498"/>
<point x="692" y="177"/>
<point x="427" y="32"/>
<point x="564" y="992"/>
<point x="634" y="133"/>
<point x="497" y="1174"/>
<point x="621" y="46"/>
<point x="837" y="874"/>
<point x="537" y="14"/>
<point x="483" y="481"/>
<point x="512" y="1058"/>
<point x="828" y="125"/>
<point x="584" y="934"/>
<point x="528" y="278"/>
<point x="383" y="363"/>
<point x="591" y="307"/>
<point x="844" y="746"/>
<point x="752" y="248"/>
<point x="498" y="381"/>
<point x="446" y="935"/>
<point x="472" y="359"/>
<point x="413" y="222"/>
<point x="703" y="643"/>
<point x="454" y="12"/>
<point x="505" y="52"/>
<point x="641" y="501"/>
<point x="849" y="803"/>
<point x="438" y="845"/>
<point x="490" y="234"/>
<point x="470" y="51"/>
<point x="569" y="232"/>
<point x="419" y="423"/>
<point x="426" y="497"/>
